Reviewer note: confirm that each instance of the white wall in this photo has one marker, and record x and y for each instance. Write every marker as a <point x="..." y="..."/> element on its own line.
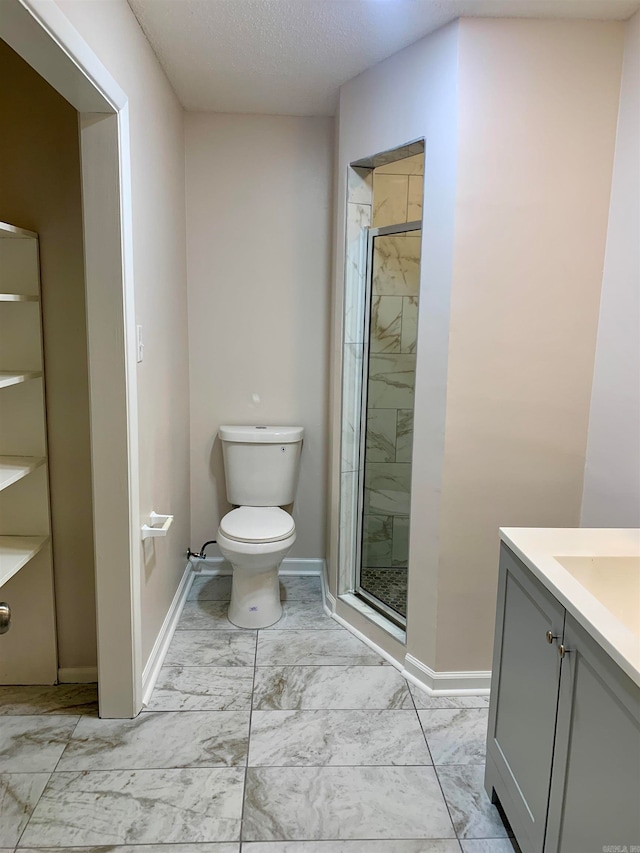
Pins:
<point x="519" y="123"/>
<point x="258" y="220"/>
<point x="538" y="104"/>
<point x="410" y="96"/>
<point x="612" y="473"/>
<point x="157" y="163"/>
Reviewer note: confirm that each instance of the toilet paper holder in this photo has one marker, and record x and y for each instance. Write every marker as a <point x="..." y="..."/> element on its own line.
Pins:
<point x="158" y="525"/>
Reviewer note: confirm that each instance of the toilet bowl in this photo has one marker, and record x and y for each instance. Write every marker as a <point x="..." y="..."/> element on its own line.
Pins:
<point x="255" y="540"/>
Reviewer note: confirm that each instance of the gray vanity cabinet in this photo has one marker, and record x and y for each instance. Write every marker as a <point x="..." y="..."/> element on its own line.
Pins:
<point x="563" y="749"/>
<point x="524" y="699"/>
<point x="595" y="783"/>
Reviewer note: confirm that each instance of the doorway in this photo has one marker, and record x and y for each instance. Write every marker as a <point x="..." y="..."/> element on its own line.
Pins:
<point x="41" y="35"/>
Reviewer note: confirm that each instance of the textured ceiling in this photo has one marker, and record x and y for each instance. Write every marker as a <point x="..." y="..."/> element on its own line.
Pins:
<point x="289" y="57"/>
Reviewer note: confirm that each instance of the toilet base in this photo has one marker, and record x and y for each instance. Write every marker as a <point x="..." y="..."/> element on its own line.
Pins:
<point x="255" y="598"/>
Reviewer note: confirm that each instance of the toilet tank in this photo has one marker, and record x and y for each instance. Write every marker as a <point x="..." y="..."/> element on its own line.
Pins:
<point x="261" y="464"/>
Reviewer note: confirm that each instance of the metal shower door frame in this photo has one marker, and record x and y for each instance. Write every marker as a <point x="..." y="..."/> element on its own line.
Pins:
<point x="372" y="233"/>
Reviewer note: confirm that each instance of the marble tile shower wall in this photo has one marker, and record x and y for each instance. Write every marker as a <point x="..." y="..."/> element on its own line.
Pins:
<point x="359" y="216"/>
<point x="397" y="197"/>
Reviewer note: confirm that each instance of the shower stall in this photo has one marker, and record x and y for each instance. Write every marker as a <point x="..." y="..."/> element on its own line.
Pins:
<point x="380" y="335"/>
<point x="391" y="314"/>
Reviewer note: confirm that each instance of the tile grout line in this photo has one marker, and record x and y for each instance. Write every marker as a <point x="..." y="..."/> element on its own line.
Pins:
<point x="246" y="768"/>
<point x="412" y="705"/>
<point x="48" y="780"/>
<point x="435" y="772"/>
<point x="70" y="738"/>
<point x="35" y="805"/>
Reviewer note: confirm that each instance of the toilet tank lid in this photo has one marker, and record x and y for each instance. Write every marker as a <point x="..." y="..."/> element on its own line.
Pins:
<point x="262" y="434"/>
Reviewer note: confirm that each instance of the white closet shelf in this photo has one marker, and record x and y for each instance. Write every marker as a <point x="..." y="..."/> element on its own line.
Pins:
<point x="14" y="468"/>
<point x="15" y="552"/>
<point x="8" y="377"/>
<point x="19" y="297"/>
<point x="9" y="231"/>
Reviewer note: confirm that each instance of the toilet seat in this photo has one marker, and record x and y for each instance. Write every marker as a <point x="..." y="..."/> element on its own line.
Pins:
<point x="257" y="524"/>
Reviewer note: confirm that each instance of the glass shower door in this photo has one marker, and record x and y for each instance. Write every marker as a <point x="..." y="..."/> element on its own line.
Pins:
<point x="391" y="315"/>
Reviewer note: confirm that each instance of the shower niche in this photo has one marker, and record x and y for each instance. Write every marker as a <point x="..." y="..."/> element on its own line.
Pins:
<point x="382" y="281"/>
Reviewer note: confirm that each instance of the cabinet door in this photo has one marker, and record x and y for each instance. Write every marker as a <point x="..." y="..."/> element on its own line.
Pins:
<point x="524" y="695"/>
<point x="595" y="789"/>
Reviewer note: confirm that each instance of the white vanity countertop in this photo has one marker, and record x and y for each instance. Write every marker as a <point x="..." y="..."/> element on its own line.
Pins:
<point x="595" y="574"/>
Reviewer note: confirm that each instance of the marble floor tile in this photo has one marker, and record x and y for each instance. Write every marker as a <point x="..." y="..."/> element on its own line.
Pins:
<point x="300" y="588"/>
<point x="71" y="699"/>
<point x="159" y="740"/>
<point x="286" y="688"/>
<point x="137" y="807"/>
<point x="304" y="614"/>
<point x="386" y="846"/>
<point x="212" y="648"/>
<point x="214" y="847"/>
<point x="456" y="736"/>
<point x="471" y="810"/>
<point x="315" y="803"/>
<point x="19" y="793"/>
<point x="34" y="744"/>
<point x="489" y="845"/>
<point x="324" y="648"/>
<point x="202" y="688"/>
<point x="336" y="738"/>
<point x="204" y="615"/>
<point x="207" y="588"/>
<point x="212" y="616"/>
<point x="292" y="588"/>
<point x="424" y="701"/>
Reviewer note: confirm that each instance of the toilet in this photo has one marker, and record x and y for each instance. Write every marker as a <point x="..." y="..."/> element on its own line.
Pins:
<point x="261" y="468"/>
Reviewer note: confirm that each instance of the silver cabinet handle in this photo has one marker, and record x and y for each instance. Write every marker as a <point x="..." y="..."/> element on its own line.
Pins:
<point x="563" y="650"/>
<point x="5" y="617"/>
<point x="551" y="636"/>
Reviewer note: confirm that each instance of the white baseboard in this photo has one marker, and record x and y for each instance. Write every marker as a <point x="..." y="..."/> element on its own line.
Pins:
<point x="414" y="670"/>
<point x="328" y="599"/>
<point x="77" y="675"/>
<point x="294" y="566"/>
<point x="210" y="566"/>
<point x="159" y="651"/>
<point x="475" y="683"/>
<point x="302" y="567"/>
<point x="367" y="641"/>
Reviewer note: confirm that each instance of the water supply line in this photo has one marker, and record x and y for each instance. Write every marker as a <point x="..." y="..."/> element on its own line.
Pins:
<point x="199" y="555"/>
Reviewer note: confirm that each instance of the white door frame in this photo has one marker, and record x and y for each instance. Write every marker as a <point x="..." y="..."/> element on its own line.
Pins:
<point x="42" y="35"/>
